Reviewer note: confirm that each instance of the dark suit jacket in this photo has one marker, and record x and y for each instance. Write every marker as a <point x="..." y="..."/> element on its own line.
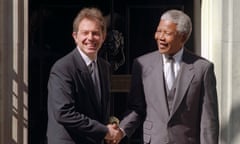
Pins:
<point x="74" y="115"/>
<point x="194" y="115"/>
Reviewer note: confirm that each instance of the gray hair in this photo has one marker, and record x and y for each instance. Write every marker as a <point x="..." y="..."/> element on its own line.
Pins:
<point x="182" y="20"/>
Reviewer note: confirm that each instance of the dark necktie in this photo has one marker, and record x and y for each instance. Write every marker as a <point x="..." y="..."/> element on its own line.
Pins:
<point x="95" y="78"/>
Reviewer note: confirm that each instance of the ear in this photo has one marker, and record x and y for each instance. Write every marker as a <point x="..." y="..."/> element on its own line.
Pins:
<point x="184" y="37"/>
<point x="74" y="35"/>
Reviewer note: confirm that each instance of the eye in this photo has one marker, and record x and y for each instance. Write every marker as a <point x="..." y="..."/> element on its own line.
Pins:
<point x="164" y="33"/>
<point x="168" y="33"/>
<point x="96" y="33"/>
<point x="84" y="32"/>
<point x="158" y="32"/>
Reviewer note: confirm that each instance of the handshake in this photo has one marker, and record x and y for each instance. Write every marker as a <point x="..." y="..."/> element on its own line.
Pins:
<point x="115" y="134"/>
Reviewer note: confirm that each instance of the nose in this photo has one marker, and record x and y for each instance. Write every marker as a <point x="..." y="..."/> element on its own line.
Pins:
<point x="90" y="36"/>
<point x="159" y="35"/>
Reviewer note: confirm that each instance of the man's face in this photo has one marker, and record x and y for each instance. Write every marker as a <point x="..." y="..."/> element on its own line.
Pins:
<point x="89" y="37"/>
<point x="168" y="39"/>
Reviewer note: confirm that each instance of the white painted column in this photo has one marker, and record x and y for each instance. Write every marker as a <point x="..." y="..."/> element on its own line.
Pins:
<point x="14" y="71"/>
<point x="5" y="60"/>
<point x="221" y="45"/>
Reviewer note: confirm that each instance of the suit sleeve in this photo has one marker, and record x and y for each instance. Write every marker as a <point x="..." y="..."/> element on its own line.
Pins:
<point x="62" y="105"/>
<point x="136" y="102"/>
<point x="209" y="118"/>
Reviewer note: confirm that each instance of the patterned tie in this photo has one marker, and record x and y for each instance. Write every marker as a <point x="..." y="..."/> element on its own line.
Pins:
<point x="94" y="75"/>
<point x="170" y="72"/>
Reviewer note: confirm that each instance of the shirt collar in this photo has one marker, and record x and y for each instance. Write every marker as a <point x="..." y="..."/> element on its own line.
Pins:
<point x="86" y="59"/>
<point x="177" y="57"/>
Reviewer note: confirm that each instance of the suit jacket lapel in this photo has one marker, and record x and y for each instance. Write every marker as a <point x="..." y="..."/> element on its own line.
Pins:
<point x="104" y="92"/>
<point x="85" y="79"/>
<point x="184" y="80"/>
<point x="154" y="77"/>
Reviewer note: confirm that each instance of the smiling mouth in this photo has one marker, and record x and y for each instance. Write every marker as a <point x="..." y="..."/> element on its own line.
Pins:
<point x="163" y="45"/>
<point x="91" y="46"/>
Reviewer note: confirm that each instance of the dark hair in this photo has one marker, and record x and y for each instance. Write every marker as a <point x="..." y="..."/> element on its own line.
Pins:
<point x="92" y="14"/>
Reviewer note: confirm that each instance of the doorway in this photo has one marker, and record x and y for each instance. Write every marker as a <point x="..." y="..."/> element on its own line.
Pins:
<point x="50" y="27"/>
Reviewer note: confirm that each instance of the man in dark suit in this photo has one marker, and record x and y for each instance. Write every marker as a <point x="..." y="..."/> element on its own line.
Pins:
<point x="79" y="96"/>
<point x="173" y="91"/>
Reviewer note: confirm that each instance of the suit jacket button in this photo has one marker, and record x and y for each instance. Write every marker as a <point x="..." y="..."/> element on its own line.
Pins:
<point x="166" y="140"/>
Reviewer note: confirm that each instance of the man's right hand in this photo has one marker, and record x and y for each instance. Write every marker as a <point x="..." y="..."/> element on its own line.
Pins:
<point x="114" y="134"/>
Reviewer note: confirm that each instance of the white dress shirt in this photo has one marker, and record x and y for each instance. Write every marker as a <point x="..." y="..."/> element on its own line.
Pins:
<point x="176" y="64"/>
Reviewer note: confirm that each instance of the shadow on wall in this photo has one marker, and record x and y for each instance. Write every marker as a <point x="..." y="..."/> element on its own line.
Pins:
<point x="230" y="132"/>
